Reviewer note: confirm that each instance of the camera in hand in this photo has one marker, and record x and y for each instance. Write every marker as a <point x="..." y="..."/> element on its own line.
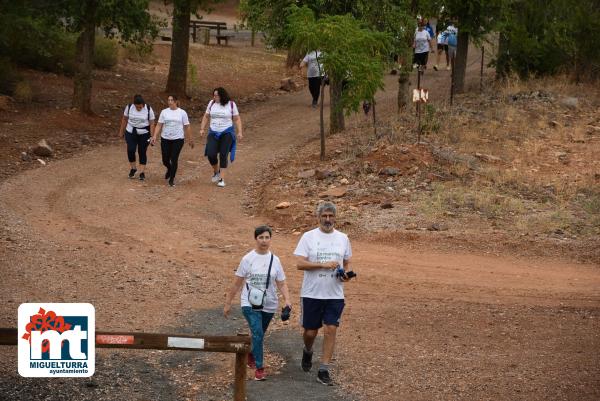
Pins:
<point x="340" y="273"/>
<point x="285" y="313"/>
<point x="350" y="274"/>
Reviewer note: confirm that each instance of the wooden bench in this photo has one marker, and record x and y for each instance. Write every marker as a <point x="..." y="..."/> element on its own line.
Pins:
<point x="195" y="25"/>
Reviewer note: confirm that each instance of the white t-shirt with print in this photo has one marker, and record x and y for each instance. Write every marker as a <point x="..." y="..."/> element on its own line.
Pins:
<point x="173" y="121"/>
<point x="254" y="267"/>
<point x="314" y="68"/>
<point x="138" y="119"/>
<point x="422" y="39"/>
<point x="221" y="117"/>
<point x="321" y="247"/>
<point x="441" y="39"/>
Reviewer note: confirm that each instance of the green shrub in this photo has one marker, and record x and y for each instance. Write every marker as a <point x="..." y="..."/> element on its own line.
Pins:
<point x="9" y="76"/>
<point x="58" y="57"/>
<point x="106" y="53"/>
<point x="23" y="92"/>
<point x="140" y="52"/>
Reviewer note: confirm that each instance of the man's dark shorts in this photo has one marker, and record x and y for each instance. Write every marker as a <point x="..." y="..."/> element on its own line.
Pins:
<point x="316" y="312"/>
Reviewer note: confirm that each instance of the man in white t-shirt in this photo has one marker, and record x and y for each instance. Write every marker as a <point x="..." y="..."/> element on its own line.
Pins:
<point x="319" y="254"/>
<point x="314" y="73"/>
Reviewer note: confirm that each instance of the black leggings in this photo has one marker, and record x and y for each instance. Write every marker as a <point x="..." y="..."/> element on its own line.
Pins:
<point x="314" y="86"/>
<point x="139" y="142"/>
<point x="170" y="149"/>
<point x="218" y="147"/>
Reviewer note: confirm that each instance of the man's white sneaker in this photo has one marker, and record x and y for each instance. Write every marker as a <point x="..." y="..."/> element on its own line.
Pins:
<point x="221" y="183"/>
<point x="216" y="177"/>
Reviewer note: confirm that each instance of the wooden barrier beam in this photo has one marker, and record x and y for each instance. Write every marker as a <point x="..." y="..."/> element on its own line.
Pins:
<point x="105" y="339"/>
<point x="239" y="344"/>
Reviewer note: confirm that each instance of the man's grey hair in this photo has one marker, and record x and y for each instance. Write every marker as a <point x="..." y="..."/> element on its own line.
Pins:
<point x="329" y="206"/>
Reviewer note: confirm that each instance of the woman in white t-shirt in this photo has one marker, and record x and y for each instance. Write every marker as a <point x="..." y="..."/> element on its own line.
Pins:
<point x="137" y="126"/>
<point x="422" y="44"/>
<point x="173" y="126"/>
<point x="223" y="114"/>
<point x="251" y="275"/>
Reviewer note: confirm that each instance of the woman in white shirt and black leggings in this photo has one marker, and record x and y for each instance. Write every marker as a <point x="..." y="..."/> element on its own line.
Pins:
<point x="173" y="126"/>
<point x="222" y="113"/>
<point x="137" y="125"/>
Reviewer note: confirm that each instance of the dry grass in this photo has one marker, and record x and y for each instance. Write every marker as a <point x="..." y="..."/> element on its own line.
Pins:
<point x="543" y="177"/>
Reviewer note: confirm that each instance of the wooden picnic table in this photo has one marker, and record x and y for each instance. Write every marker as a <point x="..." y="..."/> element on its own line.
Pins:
<point x="195" y="25"/>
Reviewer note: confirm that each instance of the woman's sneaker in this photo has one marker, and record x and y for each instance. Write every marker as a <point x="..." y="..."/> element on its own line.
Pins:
<point x="142" y="176"/>
<point x="221" y="183"/>
<point x="132" y="172"/>
<point x="323" y="378"/>
<point x="260" y="374"/>
<point x="216" y="177"/>
<point x="171" y="182"/>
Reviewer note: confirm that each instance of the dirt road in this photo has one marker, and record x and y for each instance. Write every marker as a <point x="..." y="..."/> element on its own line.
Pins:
<point x="418" y="325"/>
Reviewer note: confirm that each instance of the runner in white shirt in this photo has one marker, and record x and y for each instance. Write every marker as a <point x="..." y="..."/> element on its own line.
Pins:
<point x="252" y="275"/>
<point x="442" y="47"/>
<point x="314" y="73"/>
<point x="224" y="130"/>
<point x="173" y="125"/>
<point x="422" y="44"/>
<point x="319" y="254"/>
<point x="137" y="126"/>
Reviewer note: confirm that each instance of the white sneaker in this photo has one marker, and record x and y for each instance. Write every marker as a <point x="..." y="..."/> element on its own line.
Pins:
<point x="448" y="68"/>
<point x="216" y="177"/>
<point x="221" y="183"/>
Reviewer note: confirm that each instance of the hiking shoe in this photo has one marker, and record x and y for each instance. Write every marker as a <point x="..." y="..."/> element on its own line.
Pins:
<point x="167" y="174"/>
<point x="314" y="104"/>
<point x="435" y="67"/>
<point x="132" y="172"/>
<point x="171" y="182"/>
<point x="251" y="361"/>
<point x="216" y="177"/>
<point x="142" y="176"/>
<point x="323" y="378"/>
<point x="306" y="361"/>
<point x="221" y="183"/>
<point x="260" y="374"/>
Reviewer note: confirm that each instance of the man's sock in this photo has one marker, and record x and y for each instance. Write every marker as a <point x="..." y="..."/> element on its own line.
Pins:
<point x="324" y="367"/>
<point x="307" y="351"/>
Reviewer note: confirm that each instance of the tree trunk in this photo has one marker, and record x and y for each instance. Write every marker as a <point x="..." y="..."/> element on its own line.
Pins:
<point x="294" y="56"/>
<point x="403" y="89"/>
<point x="177" y="80"/>
<point x="322" y="120"/>
<point x="336" y="110"/>
<point x="84" y="61"/>
<point x="503" y="62"/>
<point x="460" y="63"/>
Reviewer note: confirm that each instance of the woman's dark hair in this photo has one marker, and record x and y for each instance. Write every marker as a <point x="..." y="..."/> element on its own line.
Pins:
<point x="262" y="229"/>
<point x="138" y="99"/>
<point x="173" y="96"/>
<point x="223" y="95"/>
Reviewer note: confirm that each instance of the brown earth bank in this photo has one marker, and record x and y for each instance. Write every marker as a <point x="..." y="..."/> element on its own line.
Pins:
<point x="424" y="320"/>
